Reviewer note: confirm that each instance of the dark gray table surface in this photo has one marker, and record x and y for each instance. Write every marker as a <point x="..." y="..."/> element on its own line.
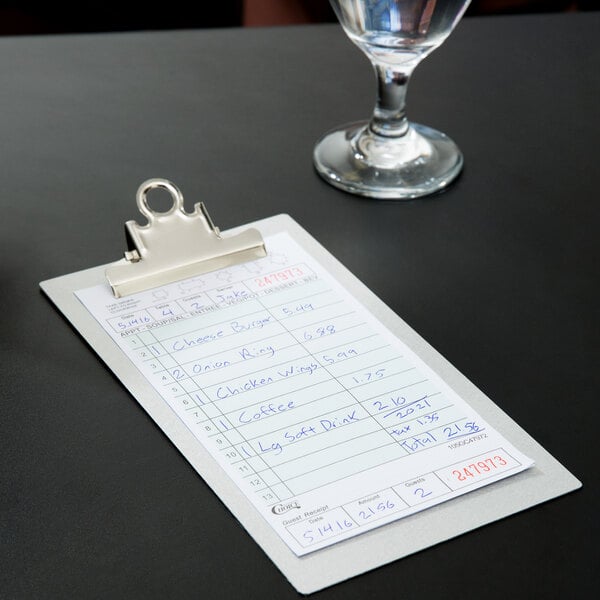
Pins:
<point x="499" y="274"/>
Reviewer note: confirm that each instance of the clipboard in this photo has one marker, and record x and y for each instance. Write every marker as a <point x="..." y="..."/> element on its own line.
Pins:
<point x="371" y="549"/>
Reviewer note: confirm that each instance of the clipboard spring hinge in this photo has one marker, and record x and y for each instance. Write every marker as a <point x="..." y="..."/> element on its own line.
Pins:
<point x="132" y="256"/>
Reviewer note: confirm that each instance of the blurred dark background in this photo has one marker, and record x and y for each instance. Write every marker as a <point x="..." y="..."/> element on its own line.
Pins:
<point x="31" y="18"/>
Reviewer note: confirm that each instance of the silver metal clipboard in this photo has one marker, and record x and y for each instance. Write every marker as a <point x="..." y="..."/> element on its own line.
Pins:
<point x="546" y="480"/>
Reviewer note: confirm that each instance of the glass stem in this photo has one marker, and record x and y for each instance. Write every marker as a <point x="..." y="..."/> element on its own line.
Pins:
<point x="389" y="116"/>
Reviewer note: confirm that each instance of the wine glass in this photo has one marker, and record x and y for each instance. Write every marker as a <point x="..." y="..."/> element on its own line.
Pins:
<point x="390" y="157"/>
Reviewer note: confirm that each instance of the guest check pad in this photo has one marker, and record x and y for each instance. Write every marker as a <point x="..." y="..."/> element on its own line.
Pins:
<point x="335" y="434"/>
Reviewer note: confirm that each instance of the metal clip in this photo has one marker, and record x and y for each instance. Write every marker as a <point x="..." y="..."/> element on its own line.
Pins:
<point x="175" y="245"/>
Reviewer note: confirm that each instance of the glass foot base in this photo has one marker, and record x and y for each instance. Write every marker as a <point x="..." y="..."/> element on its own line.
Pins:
<point x="355" y="159"/>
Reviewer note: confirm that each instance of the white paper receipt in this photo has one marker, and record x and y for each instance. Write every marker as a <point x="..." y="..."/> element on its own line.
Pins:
<point x="326" y="421"/>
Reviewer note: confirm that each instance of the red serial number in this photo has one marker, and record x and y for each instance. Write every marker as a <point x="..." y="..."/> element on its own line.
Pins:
<point x="479" y="468"/>
<point x="279" y="276"/>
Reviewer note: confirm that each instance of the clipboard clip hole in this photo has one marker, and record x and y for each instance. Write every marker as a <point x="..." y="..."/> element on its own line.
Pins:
<point x="162" y="184"/>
